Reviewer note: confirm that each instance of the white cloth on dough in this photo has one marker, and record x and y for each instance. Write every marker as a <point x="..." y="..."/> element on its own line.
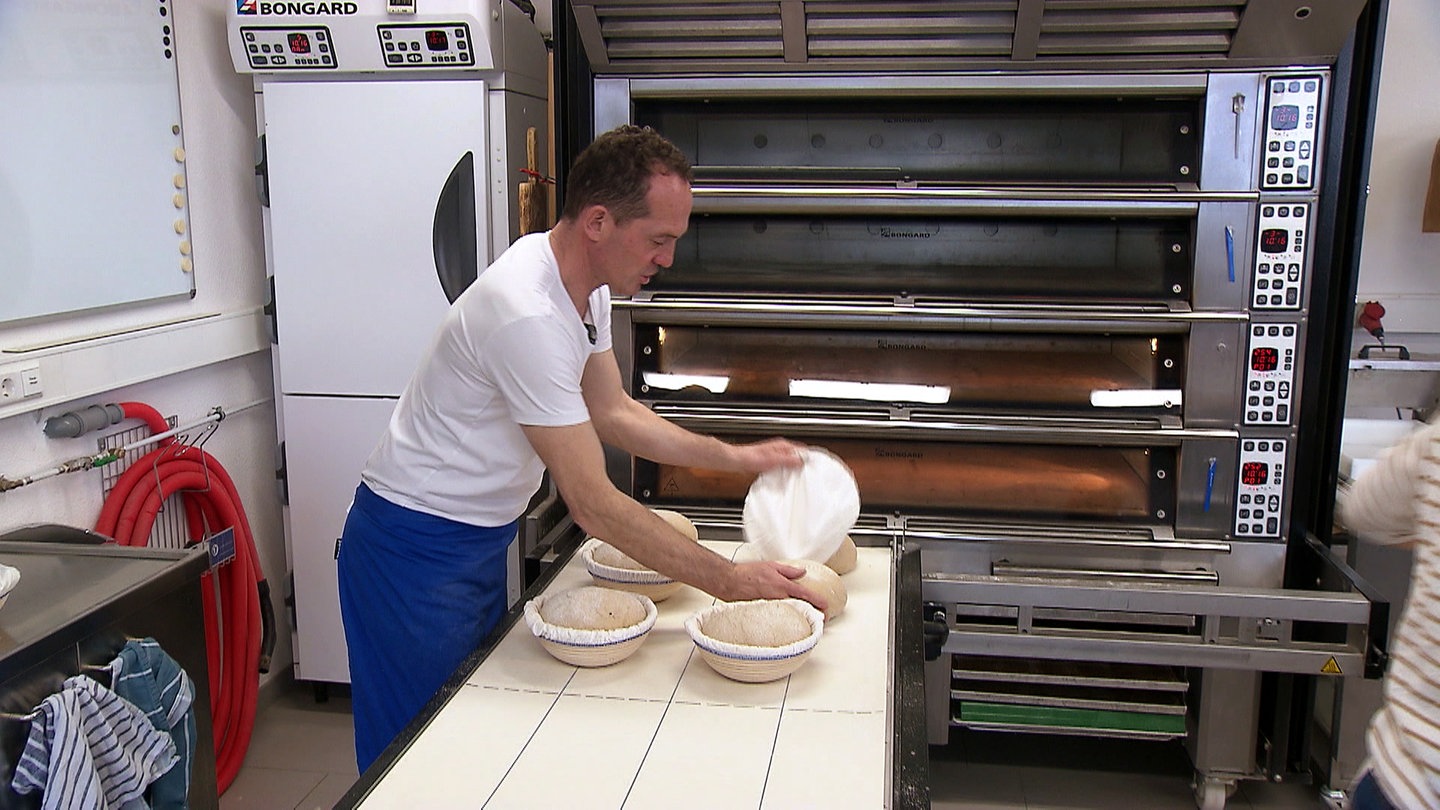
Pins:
<point x="9" y="577"/>
<point x="802" y="512"/>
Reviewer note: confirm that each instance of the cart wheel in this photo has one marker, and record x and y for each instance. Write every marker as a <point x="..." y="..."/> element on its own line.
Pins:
<point x="1210" y="794"/>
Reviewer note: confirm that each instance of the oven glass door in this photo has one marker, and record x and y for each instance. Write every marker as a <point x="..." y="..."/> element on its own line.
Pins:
<point x="1125" y="141"/>
<point x="969" y="479"/>
<point x="1064" y="374"/>
<point x="1039" y="257"/>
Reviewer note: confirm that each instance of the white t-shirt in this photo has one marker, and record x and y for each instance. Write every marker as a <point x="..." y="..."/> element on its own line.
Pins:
<point x="510" y="352"/>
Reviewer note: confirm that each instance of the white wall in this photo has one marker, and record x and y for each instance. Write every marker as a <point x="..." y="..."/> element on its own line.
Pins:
<point x="217" y="108"/>
<point x="1400" y="265"/>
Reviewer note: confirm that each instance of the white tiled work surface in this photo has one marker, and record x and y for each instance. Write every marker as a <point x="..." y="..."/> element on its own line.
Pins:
<point x="661" y="729"/>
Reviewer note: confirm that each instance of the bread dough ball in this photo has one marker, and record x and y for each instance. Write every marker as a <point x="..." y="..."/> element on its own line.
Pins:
<point x="679" y="523"/>
<point x="824" y="582"/>
<point x="592" y="608"/>
<point x="764" y="623"/>
<point x="844" y="560"/>
<point x="607" y="554"/>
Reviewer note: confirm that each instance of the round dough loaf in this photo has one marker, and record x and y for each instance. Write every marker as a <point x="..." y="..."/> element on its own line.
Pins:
<point x="824" y="582"/>
<point x="679" y="523"/>
<point x="592" y="608"/>
<point x="607" y="554"/>
<point x="764" y="623"/>
<point x="845" y="559"/>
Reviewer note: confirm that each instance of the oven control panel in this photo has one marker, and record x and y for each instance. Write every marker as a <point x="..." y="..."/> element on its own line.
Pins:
<point x="1280" y="256"/>
<point x="1288" y="152"/>
<point x="1270" y="374"/>
<point x="1261" y="492"/>
<point x="291" y="48"/>
<point x="426" y="45"/>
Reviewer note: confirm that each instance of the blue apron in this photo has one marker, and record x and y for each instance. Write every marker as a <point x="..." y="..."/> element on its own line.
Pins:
<point x="418" y="593"/>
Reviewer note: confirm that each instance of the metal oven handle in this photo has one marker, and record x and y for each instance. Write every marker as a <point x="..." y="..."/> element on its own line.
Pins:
<point x="1052" y="538"/>
<point x="1070" y="430"/>
<point x="867" y="200"/>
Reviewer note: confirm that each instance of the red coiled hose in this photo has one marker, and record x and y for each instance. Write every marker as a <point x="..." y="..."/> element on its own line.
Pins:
<point x="233" y="639"/>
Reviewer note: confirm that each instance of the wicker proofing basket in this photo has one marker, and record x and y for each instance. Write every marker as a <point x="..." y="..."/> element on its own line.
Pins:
<point x="750" y="664"/>
<point x="599" y="656"/>
<point x="645" y="582"/>
<point x="590" y="648"/>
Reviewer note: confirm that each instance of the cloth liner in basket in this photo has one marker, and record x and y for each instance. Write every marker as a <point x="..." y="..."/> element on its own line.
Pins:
<point x="590" y="648"/>
<point x="750" y="663"/>
<point x="641" y="581"/>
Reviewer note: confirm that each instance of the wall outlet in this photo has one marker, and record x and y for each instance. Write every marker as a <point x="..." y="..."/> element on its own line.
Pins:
<point x="20" y="382"/>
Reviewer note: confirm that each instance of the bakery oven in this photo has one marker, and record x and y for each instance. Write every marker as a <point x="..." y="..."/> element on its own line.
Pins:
<point x="1056" y="322"/>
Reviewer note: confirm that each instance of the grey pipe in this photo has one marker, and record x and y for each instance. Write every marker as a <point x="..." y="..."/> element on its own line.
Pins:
<point x="75" y="423"/>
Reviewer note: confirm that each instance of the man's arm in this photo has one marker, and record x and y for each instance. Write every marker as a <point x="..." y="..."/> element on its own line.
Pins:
<point x="622" y="422"/>
<point x="576" y="462"/>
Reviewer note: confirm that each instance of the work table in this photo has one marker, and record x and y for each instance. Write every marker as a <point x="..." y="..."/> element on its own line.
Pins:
<point x="661" y="728"/>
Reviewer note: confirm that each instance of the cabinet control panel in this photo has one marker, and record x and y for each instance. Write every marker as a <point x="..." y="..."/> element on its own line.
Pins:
<point x="1270" y="374"/>
<point x="1288" y="151"/>
<point x="289" y="48"/>
<point x="1261" y="491"/>
<point x="426" y="45"/>
<point x="1281" y="243"/>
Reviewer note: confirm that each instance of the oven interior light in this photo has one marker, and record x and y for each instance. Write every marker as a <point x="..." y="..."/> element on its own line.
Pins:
<point x="873" y="392"/>
<point x="1154" y="345"/>
<point x="675" y="382"/>
<point x="1137" y="398"/>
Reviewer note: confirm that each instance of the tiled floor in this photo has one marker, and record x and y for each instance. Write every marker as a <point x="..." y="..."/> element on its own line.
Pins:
<point x="302" y="756"/>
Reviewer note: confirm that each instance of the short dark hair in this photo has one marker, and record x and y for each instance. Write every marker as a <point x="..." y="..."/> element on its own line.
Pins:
<point x="615" y="171"/>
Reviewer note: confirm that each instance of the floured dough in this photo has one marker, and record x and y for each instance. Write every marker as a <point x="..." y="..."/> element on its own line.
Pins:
<point x="758" y="624"/>
<point x="824" y="582"/>
<point x="607" y="554"/>
<point x="679" y="523"/>
<point x="592" y="608"/>
<point x="844" y="560"/>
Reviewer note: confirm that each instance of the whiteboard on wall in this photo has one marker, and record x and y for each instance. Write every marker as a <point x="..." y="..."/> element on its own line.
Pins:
<point x="93" y="208"/>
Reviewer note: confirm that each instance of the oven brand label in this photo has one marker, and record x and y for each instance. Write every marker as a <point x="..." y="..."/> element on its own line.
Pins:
<point x="881" y="452"/>
<point x="887" y="232"/>
<point x="251" y="7"/>
<point x="882" y="343"/>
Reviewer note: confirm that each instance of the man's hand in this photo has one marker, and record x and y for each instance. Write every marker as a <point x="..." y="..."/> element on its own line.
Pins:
<point x="767" y="455"/>
<point x="769" y="580"/>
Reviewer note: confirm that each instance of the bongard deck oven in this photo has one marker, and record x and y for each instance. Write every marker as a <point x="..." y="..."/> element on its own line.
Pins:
<point x="1056" y="323"/>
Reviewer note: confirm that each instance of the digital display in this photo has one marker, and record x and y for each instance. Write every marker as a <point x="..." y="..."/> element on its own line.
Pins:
<point x="299" y="43"/>
<point x="1274" y="240"/>
<point x="436" y="40"/>
<point x="1254" y="473"/>
<point x="1284" y="116"/>
<point x="1264" y="358"/>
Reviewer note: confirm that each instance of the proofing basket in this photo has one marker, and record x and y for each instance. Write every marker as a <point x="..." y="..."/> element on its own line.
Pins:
<point x="748" y="663"/>
<point x="590" y="648"/>
<point x="645" y="582"/>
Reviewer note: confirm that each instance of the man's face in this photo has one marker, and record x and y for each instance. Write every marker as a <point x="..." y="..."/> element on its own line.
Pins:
<point x="635" y="251"/>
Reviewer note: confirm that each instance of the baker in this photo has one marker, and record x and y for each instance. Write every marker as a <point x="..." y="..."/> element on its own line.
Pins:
<point x="519" y="379"/>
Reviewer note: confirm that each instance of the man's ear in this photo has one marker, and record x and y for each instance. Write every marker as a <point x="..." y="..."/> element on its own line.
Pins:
<point x="593" y="221"/>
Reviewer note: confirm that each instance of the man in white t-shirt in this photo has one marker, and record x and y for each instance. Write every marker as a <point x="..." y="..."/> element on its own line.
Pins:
<point x="521" y="378"/>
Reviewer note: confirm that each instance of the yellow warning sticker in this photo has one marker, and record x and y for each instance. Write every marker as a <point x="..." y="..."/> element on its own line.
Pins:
<point x="1331" y="667"/>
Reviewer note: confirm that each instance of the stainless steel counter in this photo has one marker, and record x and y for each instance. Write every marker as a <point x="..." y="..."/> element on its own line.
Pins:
<point x="75" y="606"/>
